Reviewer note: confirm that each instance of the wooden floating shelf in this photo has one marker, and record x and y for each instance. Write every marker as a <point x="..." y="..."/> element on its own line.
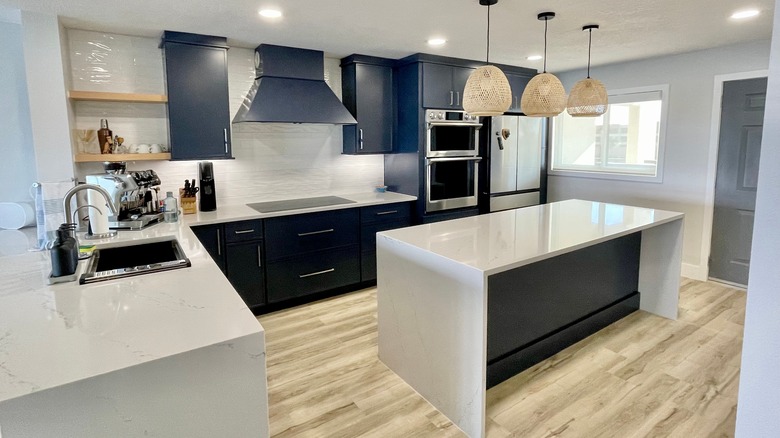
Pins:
<point x="99" y="158"/>
<point x="100" y="96"/>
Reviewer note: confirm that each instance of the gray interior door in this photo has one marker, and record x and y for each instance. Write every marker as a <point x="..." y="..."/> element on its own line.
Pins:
<point x="739" y="149"/>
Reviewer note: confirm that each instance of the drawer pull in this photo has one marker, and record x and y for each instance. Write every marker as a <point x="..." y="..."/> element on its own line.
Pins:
<point x="317" y="273"/>
<point x="259" y="257"/>
<point x="244" y="231"/>
<point x="386" y="212"/>
<point x="329" y="230"/>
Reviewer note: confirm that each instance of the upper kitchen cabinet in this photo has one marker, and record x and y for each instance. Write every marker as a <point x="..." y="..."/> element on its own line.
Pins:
<point x="196" y="77"/>
<point x="443" y="85"/>
<point x="367" y="92"/>
<point x="517" y="82"/>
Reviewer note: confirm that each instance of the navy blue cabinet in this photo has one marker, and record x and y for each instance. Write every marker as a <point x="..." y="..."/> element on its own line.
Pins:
<point x="246" y="272"/>
<point x="310" y="253"/>
<point x="212" y="237"/>
<point x="367" y="92"/>
<point x="197" y="85"/>
<point x="517" y="83"/>
<point x="442" y="85"/>
<point x="373" y="220"/>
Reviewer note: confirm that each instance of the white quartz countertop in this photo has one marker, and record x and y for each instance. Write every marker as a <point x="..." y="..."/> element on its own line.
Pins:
<point x="51" y="335"/>
<point x="500" y="241"/>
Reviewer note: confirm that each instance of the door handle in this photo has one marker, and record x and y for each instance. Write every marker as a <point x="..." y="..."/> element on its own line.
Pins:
<point x="500" y="141"/>
<point x="516" y="104"/>
<point x="360" y="131"/>
<point x="219" y="244"/>
<point x="317" y="273"/>
<point x="224" y="131"/>
<point x="439" y="160"/>
<point x="452" y="93"/>
<point x="311" y="233"/>
<point x="457" y="98"/>
<point x="259" y="257"/>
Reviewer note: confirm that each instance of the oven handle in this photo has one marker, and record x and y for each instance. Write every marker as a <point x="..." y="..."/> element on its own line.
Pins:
<point x="439" y="160"/>
<point x="472" y="124"/>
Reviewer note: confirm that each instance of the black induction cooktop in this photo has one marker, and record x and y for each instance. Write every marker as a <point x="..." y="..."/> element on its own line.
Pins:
<point x="297" y="204"/>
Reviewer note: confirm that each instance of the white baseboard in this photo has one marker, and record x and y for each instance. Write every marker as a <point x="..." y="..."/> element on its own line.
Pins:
<point x="695" y="272"/>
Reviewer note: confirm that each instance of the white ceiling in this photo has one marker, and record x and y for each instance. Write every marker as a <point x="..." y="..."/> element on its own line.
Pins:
<point x="630" y="29"/>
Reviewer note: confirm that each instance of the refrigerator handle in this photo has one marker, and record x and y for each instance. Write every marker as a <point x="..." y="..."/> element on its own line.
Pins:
<point x="500" y="140"/>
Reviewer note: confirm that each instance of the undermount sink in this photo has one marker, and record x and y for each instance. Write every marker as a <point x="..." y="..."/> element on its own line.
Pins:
<point x="130" y="260"/>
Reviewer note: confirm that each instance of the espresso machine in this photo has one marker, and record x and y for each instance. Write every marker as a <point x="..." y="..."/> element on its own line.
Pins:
<point x="135" y="194"/>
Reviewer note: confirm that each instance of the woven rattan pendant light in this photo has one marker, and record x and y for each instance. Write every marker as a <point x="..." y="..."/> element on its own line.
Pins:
<point x="588" y="97"/>
<point x="544" y="96"/>
<point x="487" y="91"/>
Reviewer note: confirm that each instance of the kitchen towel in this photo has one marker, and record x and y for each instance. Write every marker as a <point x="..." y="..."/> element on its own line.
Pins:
<point x="49" y="209"/>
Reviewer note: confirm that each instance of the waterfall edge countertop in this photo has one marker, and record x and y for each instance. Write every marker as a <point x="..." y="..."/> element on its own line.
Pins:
<point x="52" y="335"/>
<point x="497" y="242"/>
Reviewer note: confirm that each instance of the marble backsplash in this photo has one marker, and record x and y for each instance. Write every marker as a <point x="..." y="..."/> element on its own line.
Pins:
<point x="273" y="161"/>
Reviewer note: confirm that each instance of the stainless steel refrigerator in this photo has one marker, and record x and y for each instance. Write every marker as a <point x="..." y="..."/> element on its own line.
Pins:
<point x="517" y="148"/>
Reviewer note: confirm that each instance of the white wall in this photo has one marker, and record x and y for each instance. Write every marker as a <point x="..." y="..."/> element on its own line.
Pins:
<point x="690" y="77"/>
<point x="17" y="166"/>
<point x="759" y="397"/>
<point x="42" y="42"/>
<point x="273" y="161"/>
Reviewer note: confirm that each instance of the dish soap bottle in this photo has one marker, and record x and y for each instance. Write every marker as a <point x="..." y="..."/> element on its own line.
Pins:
<point x="171" y="206"/>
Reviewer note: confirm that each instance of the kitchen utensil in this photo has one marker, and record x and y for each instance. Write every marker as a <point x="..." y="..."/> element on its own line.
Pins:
<point x="186" y="187"/>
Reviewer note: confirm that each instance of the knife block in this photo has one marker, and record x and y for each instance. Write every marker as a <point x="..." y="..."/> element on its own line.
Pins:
<point x="189" y="204"/>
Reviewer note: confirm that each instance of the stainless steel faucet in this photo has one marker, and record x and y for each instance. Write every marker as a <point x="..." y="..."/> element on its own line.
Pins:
<point x="78" y="188"/>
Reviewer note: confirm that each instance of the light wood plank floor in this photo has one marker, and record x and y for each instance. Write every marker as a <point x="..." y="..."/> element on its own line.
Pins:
<point x="642" y="376"/>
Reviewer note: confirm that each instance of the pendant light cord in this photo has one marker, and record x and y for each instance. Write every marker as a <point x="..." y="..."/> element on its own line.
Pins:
<point x="590" y="41"/>
<point x="544" y="70"/>
<point x="487" y="57"/>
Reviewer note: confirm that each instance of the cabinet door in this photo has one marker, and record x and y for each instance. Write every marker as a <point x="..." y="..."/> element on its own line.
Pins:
<point x="437" y="86"/>
<point x="312" y="273"/>
<point x="245" y="271"/>
<point x="374" y="108"/>
<point x="198" y="108"/>
<point x="212" y="238"/>
<point x="459" y="77"/>
<point x="517" y="83"/>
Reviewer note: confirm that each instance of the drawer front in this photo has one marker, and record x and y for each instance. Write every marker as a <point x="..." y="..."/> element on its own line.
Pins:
<point x="312" y="273"/>
<point x="368" y="233"/>
<point x="244" y="230"/>
<point x="304" y="233"/>
<point x="386" y="212"/>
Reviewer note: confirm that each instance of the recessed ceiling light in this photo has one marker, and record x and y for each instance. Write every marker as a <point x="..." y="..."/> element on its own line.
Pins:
<point x="534" y="57"/>
<point x="747" y="13"/>
<point x="436" y="41"/>
<point x="270" y="13"/>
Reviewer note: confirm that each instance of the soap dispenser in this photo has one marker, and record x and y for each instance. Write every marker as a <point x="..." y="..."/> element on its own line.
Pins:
<point x="64" y="254"/>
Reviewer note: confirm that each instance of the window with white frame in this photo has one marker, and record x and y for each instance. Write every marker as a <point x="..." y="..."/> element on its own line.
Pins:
<point x="626" y="142"/>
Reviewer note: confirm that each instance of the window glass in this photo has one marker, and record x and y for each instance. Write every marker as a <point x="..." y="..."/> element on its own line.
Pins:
<point x="626" y="140"/>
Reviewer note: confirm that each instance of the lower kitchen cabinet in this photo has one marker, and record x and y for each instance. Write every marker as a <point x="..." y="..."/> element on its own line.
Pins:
<point x="312" y="273"/>
<point x="245" y="271"/>
<point x="212" y="237"/>
<point x="373" y="220"/>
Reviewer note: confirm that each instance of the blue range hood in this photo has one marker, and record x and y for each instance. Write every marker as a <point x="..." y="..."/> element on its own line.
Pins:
<point x="290" y="88"/>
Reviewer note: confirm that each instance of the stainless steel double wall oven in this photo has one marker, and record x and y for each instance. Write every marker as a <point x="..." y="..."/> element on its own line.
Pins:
<point x="451" y="158"/>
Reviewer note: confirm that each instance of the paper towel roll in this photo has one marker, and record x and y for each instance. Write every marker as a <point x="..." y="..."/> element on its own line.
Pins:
<point x="15" y="215"/>
<point x="98" y="216"/>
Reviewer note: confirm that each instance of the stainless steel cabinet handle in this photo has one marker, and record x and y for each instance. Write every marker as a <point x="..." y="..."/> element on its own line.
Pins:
<point x="219" y="244"/>
<point x="245" y="231"/>
<point x="451" y="95"/>
<point x="517" y="106"/>
<point x="439" y="160"/>
<point x="386" y="212"/>
<point x="259" y="257"/>
<point x="360" y="131"/>
<point x="317" y="273"/>
<point x="226" y="140"/>
<point x="457" y="96"/>
<point x="311" y="233"/>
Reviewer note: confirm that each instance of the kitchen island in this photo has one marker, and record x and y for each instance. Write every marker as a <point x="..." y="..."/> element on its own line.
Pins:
<point x="174" y="353"/>
<point x="466" y="304"/>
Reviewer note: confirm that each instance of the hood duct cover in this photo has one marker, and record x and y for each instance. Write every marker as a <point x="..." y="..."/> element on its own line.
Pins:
<point x="290" y="88"/>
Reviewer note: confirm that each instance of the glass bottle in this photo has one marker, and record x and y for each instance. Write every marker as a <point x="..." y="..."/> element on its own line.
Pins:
<point x="105" y="137"/>
<point x="171" y="213"/>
